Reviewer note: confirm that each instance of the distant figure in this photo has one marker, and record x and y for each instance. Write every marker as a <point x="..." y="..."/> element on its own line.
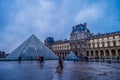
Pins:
<point x="20" y="58"/>
<point x="86" y="58"/>
<point x="117" y="59"/>
<point x="109" y="61"/>
<point x="103" y="59"/>
<point x="97" y="59"/>
<point x="41" y="59"/>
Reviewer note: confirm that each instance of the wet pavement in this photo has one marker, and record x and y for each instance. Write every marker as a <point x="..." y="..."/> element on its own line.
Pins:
<point x="32" y="70"/>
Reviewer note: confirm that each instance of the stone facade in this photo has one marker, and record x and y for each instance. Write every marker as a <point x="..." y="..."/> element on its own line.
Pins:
<point x="79" y="32"/>
<point x="61" y="48"/>
<point x="84" y="43"/>
<point x="103" y="45"/>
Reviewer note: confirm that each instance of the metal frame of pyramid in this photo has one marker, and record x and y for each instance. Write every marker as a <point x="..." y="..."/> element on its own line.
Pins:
<point x="71" y="56"/>
<point x="31" y="49"/>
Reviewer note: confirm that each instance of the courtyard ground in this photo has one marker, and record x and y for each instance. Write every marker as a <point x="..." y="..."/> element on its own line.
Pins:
<point x="32" y="70"/>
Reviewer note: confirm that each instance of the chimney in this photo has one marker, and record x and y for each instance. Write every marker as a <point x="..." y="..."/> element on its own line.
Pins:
<point x="73" y="27"/>
<point x="85" y="26"/>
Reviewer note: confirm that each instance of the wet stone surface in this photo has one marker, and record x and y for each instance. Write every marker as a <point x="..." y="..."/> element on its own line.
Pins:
<point x="27" y="70"/>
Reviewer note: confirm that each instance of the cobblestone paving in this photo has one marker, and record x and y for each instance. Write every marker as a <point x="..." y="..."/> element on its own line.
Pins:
<point x="27" y="70"/>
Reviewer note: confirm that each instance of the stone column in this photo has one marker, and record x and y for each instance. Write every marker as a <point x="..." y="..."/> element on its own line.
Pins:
<point x="99" y="53"/>
<point x="116" y="51"/>
<point x="104" y="55"/>
<point x="110" y="53"/>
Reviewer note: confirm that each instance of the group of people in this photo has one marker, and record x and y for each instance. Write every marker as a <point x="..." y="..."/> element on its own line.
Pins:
<point x="41" y="60"/>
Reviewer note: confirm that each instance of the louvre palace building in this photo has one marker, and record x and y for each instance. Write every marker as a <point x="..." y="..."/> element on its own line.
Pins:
<point x="85" y="44"/>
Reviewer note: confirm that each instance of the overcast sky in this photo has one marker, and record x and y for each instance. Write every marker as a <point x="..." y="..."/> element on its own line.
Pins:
<point x="19" y="19"/>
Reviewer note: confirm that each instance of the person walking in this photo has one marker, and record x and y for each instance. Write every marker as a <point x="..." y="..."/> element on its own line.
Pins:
<point x="60" y="66"/>
<point x="41" y="59"/>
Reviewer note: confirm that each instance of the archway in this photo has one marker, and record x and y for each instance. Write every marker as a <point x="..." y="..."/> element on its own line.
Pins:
<point x="101" y="53"/>
<point x="118" y="52"/>
<point x="96" y="53"/>
<point x="113" y="53"/>
<point x="107" y="53"/>
<point x="96" y="56"/>
<point x="87" y="53"/>
<point x="92" y="54"/>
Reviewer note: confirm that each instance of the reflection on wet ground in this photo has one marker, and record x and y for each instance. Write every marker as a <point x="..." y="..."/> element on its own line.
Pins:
<point x="32" y="70"/>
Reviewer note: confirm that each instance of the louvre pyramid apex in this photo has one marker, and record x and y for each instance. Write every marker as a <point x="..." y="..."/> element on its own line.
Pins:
<point x="32" y="35"/>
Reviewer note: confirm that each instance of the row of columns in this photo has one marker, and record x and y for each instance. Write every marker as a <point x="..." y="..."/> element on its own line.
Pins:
<point x="113" y="53"/>
<point x="62" y="54"/>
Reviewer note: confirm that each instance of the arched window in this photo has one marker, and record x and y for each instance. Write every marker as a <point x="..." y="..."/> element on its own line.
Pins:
<point x="101" y="53"/>
<point x="96" y="53"/>
<point x="119" y="52"/>
<point x="113" y="53"/>
<point x="87" y="53"/>
<point x="107" y="53"/>
<point x="92" y="54"/>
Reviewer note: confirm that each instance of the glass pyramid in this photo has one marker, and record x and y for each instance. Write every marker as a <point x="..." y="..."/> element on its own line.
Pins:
<point x="31" y="49"/>
<point x="71" y="56"/>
